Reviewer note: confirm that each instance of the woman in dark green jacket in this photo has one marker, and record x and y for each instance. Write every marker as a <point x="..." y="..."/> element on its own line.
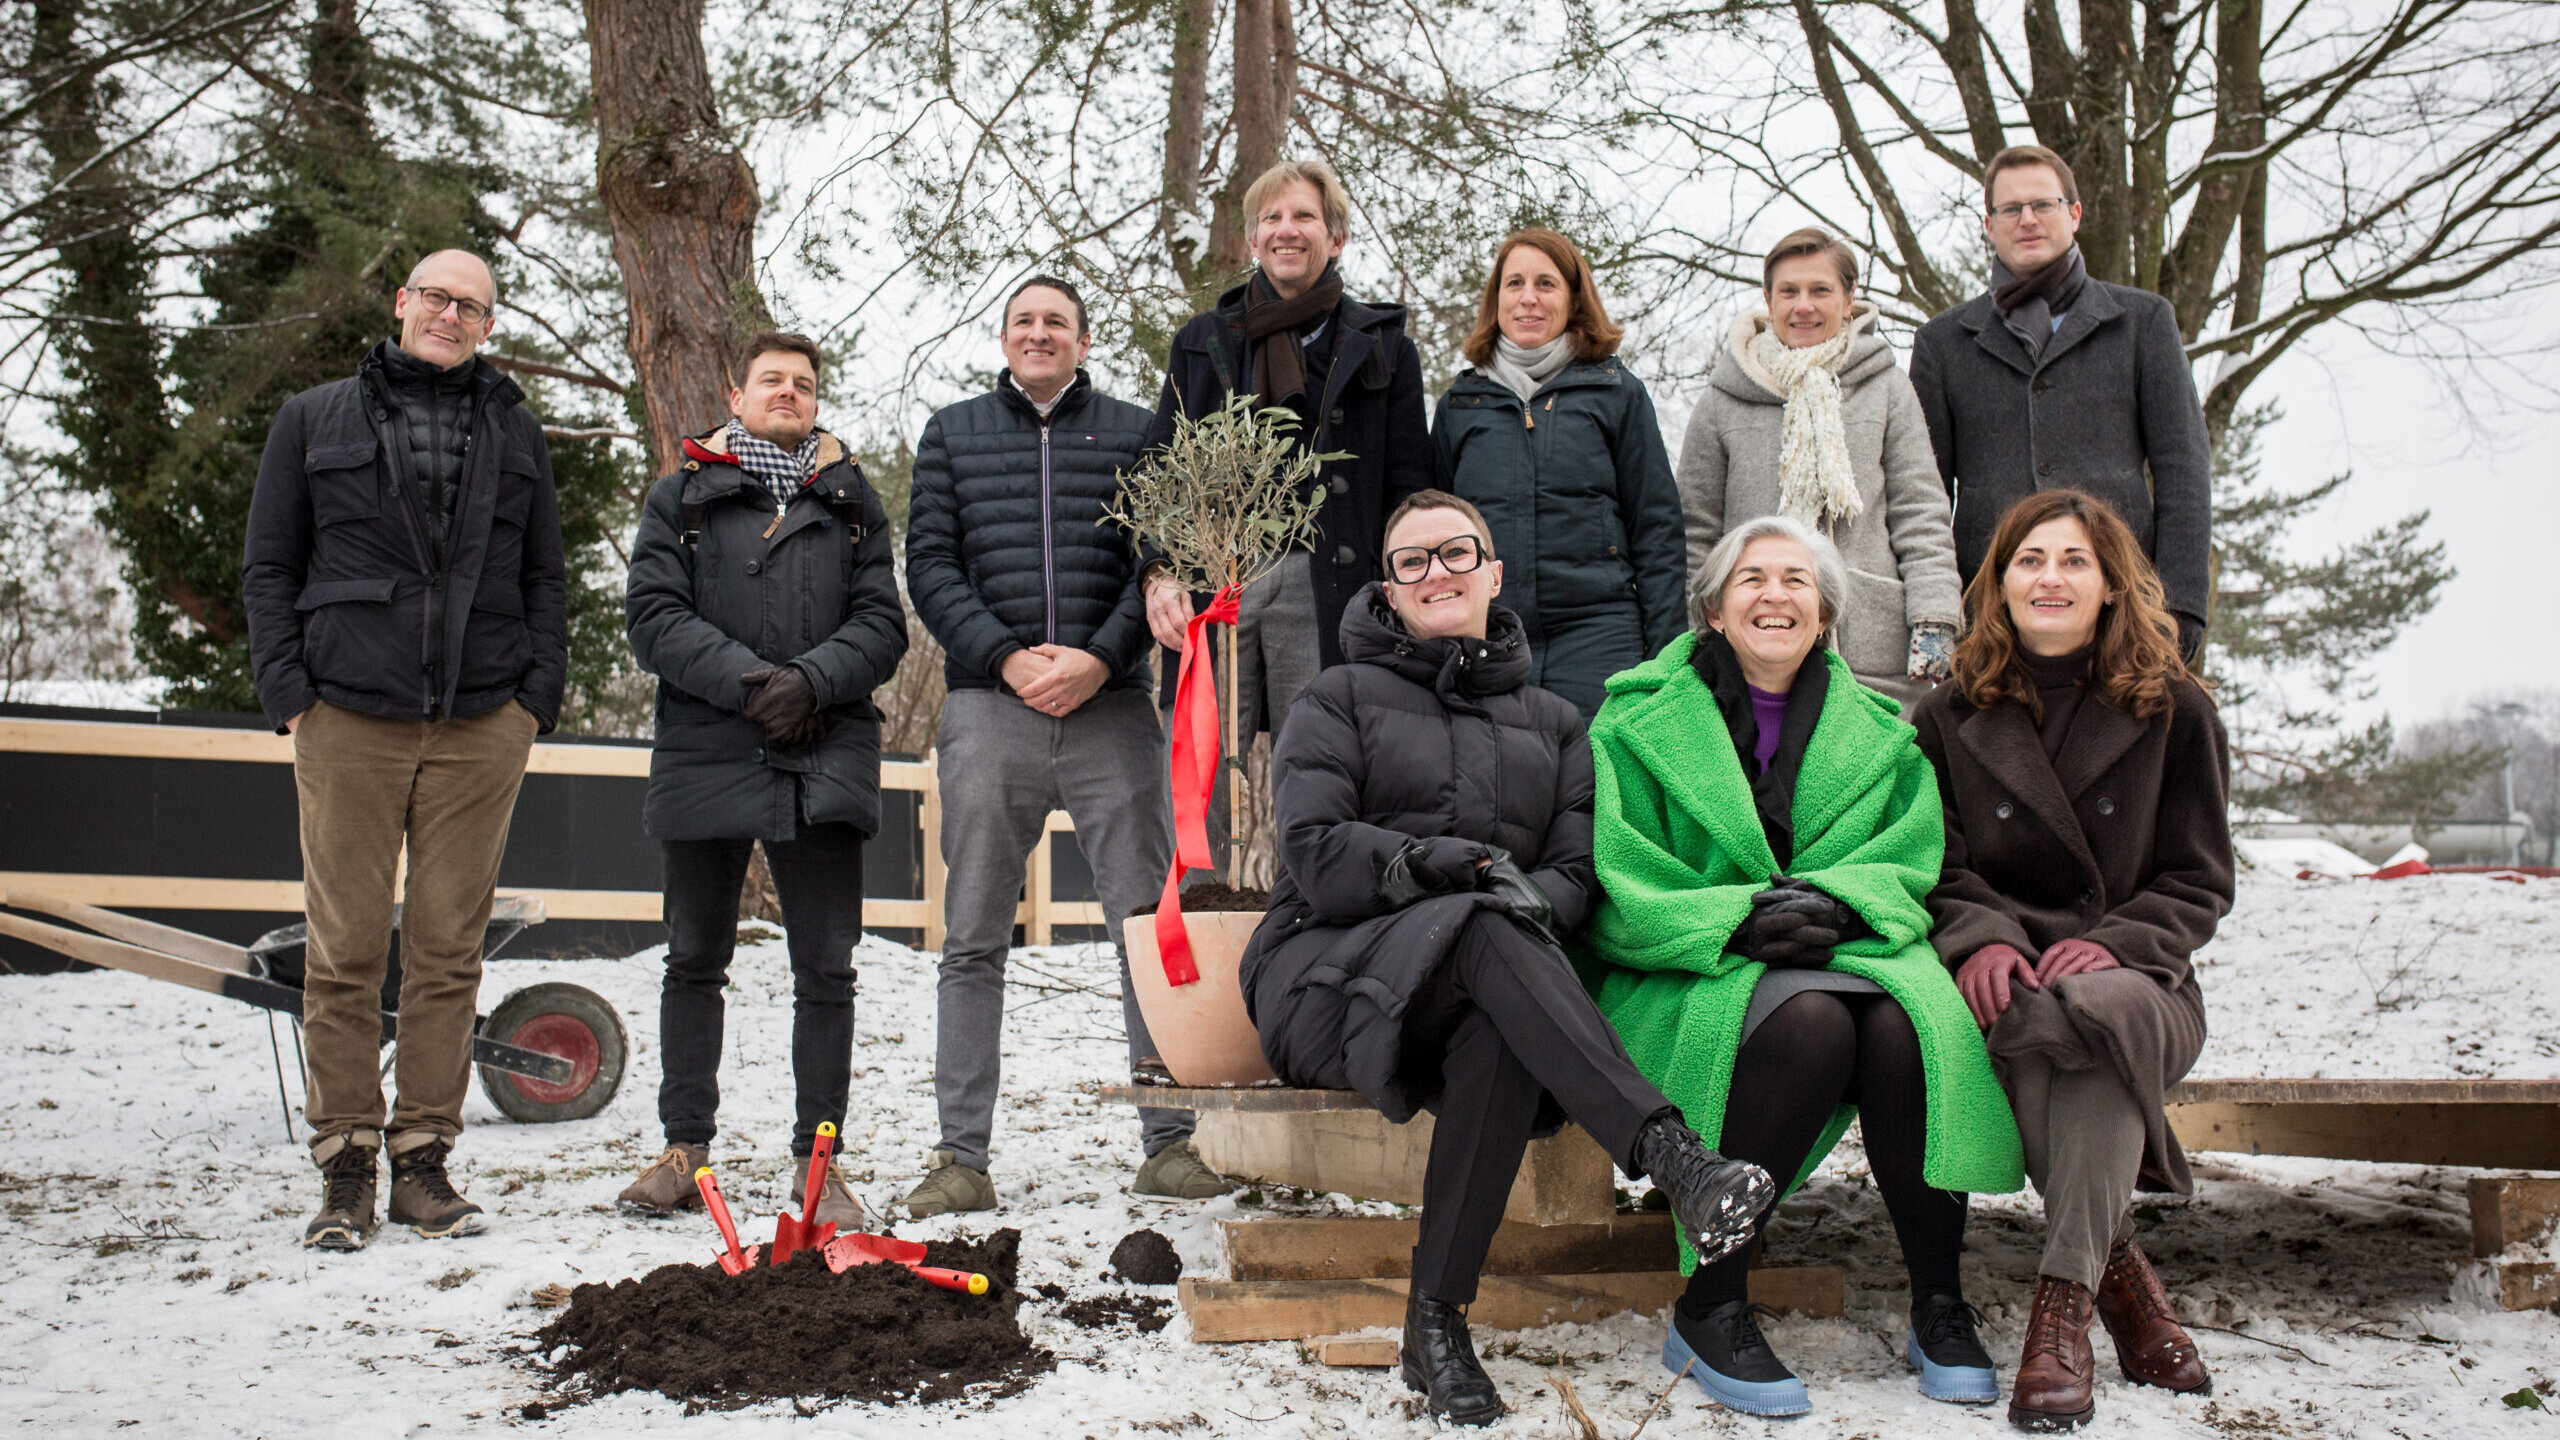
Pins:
<point x="1556" y="442"/>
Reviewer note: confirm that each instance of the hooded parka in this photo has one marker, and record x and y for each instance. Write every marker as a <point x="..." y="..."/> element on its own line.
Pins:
<point x="1439" y="740"/>
<point x="1576" y="489"/>
<point x="722" y="585"/>
<point x="1900" y="548"/>
<point x="2123" y="839"/>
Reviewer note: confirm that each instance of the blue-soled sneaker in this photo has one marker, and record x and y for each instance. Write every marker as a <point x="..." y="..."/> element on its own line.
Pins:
<point x="1945" y="1347"/>
<point x="1731" y="1360"/>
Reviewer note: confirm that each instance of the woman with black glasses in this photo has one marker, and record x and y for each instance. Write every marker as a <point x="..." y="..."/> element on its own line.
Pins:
<point x="1435" y="836"/>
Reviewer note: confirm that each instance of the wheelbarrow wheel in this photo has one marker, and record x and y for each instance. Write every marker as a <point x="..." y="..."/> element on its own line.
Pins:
<point x="569" y="1021"/>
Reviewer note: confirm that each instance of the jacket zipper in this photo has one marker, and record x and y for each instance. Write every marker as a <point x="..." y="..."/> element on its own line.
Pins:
<point x="1048" y="543"/>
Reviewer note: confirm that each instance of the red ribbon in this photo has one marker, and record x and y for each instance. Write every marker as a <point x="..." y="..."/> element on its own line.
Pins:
<point x="1193" y="774"/>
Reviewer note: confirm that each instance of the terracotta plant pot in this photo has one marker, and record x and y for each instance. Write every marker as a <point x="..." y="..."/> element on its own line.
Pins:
<point x="1200" y="1029"/>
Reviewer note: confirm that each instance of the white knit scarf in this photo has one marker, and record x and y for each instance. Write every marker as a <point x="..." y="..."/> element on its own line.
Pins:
<point x="1524" y="369"/>
<point x="1816" y="483"/>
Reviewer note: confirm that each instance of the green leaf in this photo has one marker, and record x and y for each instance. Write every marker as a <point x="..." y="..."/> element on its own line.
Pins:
<point x="2526" y="1399"/>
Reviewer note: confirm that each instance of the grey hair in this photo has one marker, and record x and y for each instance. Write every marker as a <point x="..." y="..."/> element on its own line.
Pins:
<point x="1830" y="572"/>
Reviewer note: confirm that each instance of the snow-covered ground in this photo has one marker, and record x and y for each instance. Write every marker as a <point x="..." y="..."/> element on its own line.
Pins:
<point x="152" y="1276"/>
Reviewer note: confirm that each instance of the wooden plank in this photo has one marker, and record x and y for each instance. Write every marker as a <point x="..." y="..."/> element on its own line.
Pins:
<point x="167" y="939"/>
<point x="1226" y="1311"/>
<point x="2512" y="1212"/>
<point x="2491" y="1134"/>
<point x="1565" y="1179"/>
<point x="2511" y="1285"/>
<point x="1259" y="1099"/>
<point x="1361" y="1247"/>
<point x="2280" y="1091"/>
<point x="1375" y="1352"/>
<point x="117" y="955"/>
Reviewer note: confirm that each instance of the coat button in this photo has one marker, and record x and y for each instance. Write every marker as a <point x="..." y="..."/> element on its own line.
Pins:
<point x="693" y="464"/>
<point x="2038" y="388"/>
<point x="755" y="567"/>
<point x="2004" y="809"/>
<point x="1341" y="485"/>
<point x="2044" y="467"/>
<point x="1337" y="417"/>
<point x="759" y="754"/>
<point x="1345" y="555"/>
<point x="2106" y="806"/>
<point x="2088" y="895"/>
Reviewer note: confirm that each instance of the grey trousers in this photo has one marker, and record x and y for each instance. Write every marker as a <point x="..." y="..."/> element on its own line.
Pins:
<point x="2084" y="1136"/>
<point x="1004" y="767"/>
<point x="1277" y="658"/>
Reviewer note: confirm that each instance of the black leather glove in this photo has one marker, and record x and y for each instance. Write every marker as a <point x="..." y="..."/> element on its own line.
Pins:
<point x="1424" y="868"/>
<point x="1793" y="926"/>
<point x="784" y="706"/>
<point x="1503" y="879"/>
<point x="2190" y="638"/>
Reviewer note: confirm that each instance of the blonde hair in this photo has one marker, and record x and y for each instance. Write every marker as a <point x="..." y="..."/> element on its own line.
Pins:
<point x="1335" y="201"/>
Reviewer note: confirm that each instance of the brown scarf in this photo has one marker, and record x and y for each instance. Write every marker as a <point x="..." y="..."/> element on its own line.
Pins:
<point x="2027" y="305"/>
<point x="1271" y="329"/>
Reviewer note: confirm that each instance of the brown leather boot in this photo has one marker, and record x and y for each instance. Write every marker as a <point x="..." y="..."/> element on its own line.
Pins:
<point x="2055" y="1372"/>
<point x="2150" y="1344"/>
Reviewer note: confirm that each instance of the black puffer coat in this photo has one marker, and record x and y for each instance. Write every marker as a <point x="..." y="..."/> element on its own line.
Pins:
<point x="1006" y="545"/>
<point x="816" y="588"/>
<point x="352" y="597"/>
<point x="1432" y="740"/>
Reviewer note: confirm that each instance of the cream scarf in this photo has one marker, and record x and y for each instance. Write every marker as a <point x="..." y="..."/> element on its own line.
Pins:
<point x="1524" y="370"/>
<point x="1817" y="485"/>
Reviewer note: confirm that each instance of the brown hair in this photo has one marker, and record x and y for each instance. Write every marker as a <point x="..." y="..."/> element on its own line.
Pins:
<point x="2137" y="663"/>
<point x="1811" y="240"/>
<point x="2018" y="157"/>
<point x="1074" y="296"/>
<point x="1594" y="337"/>
<point x="765" y="342"/>
<point x="1330" y="196"/>
<point x="1435" y="500"/>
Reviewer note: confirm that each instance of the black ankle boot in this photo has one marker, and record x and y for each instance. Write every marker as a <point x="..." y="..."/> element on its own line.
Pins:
<point x="1718" y="1201"/>
<point x="1440" y="1361"/>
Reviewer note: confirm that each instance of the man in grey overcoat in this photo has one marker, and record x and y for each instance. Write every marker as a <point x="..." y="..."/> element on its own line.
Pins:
<point x="2051" y="380"/>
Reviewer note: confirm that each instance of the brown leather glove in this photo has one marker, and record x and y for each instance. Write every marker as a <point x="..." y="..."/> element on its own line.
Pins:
<point x="784" y="706"/>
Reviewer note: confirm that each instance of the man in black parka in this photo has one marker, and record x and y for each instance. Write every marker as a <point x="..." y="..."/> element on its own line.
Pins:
<point x="764" y="597"/>
<point x="1034" y="596"/>
<point x="408" y="626"/>
<point x="1292" y="336"/>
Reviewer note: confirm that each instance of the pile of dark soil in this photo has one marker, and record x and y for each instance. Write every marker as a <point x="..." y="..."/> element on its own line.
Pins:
<point x="875" y="1332"/>
<point x="1213" y="896"/>
<point x="1148" y="1313"/>
<point x="1144" y="1257"/>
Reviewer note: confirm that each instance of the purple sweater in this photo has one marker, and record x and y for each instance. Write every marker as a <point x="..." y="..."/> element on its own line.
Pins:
<point x="1768" y="714"/>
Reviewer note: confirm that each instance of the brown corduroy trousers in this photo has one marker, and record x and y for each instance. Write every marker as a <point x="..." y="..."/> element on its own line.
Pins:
<point x="447" y="788"/>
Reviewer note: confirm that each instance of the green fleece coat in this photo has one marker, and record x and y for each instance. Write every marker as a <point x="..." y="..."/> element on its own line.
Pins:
<point x="1680" y="853"/>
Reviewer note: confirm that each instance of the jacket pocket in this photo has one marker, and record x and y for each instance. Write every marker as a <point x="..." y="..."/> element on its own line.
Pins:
<point x="332" y="592"/>
<point x="345" y="484"/>
<point x="496" y="654"/>
<point x="1874" y="637"/>
<point x="322" y="604"/>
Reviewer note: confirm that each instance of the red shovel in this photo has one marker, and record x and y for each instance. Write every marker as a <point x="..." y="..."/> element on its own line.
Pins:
<point x="795" y="1233"/>
<point x="733" y="1260"/>
<point x="856" y="1248"/>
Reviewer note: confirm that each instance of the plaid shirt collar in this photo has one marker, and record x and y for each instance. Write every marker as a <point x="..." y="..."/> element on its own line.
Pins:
<point x="781" y="472"/>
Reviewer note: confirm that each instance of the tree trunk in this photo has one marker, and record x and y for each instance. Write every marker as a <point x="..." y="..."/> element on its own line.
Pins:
<point x="1266" y="91"/>
<point x="1185" y="135"/>
<point x="682" y="202"/>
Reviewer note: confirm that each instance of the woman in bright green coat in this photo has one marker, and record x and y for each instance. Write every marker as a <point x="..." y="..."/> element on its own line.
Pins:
<point x="1767" y="833"/>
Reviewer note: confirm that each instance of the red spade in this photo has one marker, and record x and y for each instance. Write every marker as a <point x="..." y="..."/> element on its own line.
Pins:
<point x="856" y="1248"/>
<point x="733" y="1260"/>
<point x="795" y="1233"/>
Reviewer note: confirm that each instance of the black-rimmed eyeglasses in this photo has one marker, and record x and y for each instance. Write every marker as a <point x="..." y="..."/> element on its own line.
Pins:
<point x="2042" y="209"/>
<point x="471" y="311"/>
<point x="1457" y="555"/>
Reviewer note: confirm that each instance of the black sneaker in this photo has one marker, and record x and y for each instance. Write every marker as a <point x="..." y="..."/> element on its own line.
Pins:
<point x="423" y="1197"/>
<point x="1730" y="1359"/>
<point x="1945" y="1346"/>
<point x="1718" y="1201"/>
<point x="347" y="1179"/>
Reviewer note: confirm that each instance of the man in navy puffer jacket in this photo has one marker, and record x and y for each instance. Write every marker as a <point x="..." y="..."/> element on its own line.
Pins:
<point x="1035" y="599"/>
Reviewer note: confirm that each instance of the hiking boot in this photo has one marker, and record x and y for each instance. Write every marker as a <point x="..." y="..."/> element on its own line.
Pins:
<point x="348" y="1176"/>
<point x="837" y="1204"/>
<point x="667" y="1185"/>
<point x="2151" y="1346"/>
<point x="2055" y="1373"/>
<point x="1718" y="1201"/>
<point x="1177" y="1172"/>
<point x="1945" y="1346"/>
<point x="949" y="1186"/>
<point x="1730" y="1359"/>
<point x="1438" y="1359"/>
<point x="423" y="1197"/>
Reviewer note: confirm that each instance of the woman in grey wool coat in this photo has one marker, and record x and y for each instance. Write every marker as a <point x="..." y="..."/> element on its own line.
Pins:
<point x="1806" y="415"/>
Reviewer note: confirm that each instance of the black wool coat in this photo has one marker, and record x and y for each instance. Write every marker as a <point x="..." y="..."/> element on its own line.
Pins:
<point x="1006" y="544"/>
<point x="1434" y="740"/>
<point x="2124" y="839"/>
<point x="353" y="599"/>
<point x="815" y="587"/>
<point x="1371" y="408"/>
<point x="2110" y="408"/>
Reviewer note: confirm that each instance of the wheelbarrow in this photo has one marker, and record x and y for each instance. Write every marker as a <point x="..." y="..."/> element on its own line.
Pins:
<point x="548" y="1052"/>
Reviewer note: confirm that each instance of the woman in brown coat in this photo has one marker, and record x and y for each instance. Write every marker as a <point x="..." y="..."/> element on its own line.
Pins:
<point x="2084" y="775"/>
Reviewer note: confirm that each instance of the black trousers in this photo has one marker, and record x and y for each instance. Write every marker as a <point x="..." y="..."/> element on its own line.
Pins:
<point x="1813" y="1054"/>
<point x="1503" y="1024"/>
<point x="818" y="877"/>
